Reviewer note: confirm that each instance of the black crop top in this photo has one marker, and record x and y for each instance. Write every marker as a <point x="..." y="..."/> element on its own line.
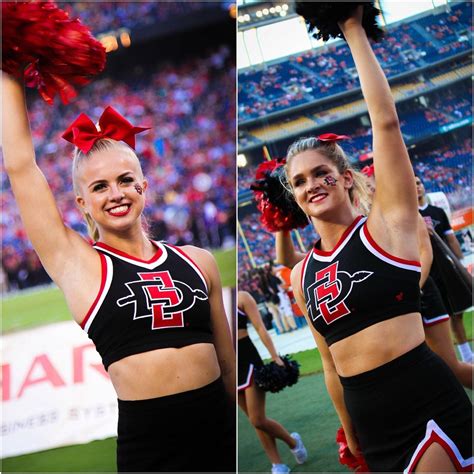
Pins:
<point x="147" y="305"/>
<point x="357" y="285"/>
<point x="242" y="319"/>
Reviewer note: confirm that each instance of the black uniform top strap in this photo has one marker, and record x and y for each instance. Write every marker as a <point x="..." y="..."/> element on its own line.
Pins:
<point x="242" y="319"/>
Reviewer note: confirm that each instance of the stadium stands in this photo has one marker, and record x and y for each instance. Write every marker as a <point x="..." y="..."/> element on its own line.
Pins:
<point x="322" y="73"/>
<point x="107" y="16"/>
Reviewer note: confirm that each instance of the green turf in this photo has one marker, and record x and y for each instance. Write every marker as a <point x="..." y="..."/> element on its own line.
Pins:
<point x="98" y="456"/>
<point x="33" y="309"/>
<point x="305" y="408"/>
<point x="48" y="305"/>
<point x="226" y="260"/>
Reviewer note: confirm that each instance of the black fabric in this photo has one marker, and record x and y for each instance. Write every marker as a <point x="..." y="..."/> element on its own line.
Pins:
<point x="151" y="308"/>
<point x="391" y="405"/>
<point x="351" y="288"/>
<point x="242" y="319"/>
<point x="436" y="217"/>
<point x="432" y="305"/>
<point x="187" y="432"/>
<point x="248" y="357"/>
<point x="453" y="280"/>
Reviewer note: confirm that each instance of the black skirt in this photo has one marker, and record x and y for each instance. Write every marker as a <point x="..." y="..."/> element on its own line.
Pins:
<point x="192" y="431"/>
<point x="402" y="407"/>
<point x="433" y="310"/>
<point x="249" y="359"/>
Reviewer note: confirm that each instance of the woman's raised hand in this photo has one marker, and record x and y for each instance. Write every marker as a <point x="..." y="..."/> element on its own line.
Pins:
<point x="354" y="20"/>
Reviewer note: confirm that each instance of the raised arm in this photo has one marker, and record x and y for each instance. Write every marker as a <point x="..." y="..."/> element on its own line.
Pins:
<point x="394" y="207"/>
<point x="286" y="254"/>
<point x="249" y="306"/>
<point x="220" y="327"/>
<point x="58" y="247"/>
<point x="331" y="378"/>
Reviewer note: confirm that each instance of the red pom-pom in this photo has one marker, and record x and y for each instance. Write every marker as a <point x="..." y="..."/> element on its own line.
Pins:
<point x="59" y="52"/>
<point x="356" y="463"/>
<point x="279" y="210"/>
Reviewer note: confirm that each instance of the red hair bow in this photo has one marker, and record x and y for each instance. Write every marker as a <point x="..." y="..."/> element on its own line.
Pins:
<point x="368" y="170"/>
<point x="331" y="137"/>
<point x="83" y="133"/>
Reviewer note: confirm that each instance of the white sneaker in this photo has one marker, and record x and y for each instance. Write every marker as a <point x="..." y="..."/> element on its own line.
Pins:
<point x="280" y="469"/>
<point x="299" y="452"/>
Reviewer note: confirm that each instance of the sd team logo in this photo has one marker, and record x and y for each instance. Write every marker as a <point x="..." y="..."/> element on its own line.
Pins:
<point x="329" y="292"/>
<point x="164" y="298"/>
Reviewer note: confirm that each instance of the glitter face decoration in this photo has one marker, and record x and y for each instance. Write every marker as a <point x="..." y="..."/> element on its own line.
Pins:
<point x="138" y="189"/>
<point x="330" y="181"/>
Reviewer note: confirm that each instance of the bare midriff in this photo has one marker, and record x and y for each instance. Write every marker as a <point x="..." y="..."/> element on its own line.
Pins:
<point x="378" y="344"/>
<point x="241" y="333"/>
<point x="164" y="372"/>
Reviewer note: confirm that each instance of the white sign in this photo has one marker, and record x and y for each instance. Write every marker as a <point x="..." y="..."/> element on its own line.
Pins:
<point x="55" y="390"/>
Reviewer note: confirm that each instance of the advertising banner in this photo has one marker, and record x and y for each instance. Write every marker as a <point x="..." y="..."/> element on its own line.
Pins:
<point x="55" y="390"/>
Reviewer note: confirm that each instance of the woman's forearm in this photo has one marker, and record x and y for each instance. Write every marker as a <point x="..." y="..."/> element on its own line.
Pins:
<point x="268" y="343"/>
<point x="18" y="150"/>
<point x="374" y="84"/>
<point x="335" y="391"/>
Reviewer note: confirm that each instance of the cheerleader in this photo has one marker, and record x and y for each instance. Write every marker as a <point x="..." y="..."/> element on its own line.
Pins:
<point x="251" y="398"/>
<point x="154" y="311"/>
<point x="398" y="402"/>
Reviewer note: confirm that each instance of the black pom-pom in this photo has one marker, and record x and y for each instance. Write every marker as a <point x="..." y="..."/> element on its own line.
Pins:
<point x="322" y="18"/>
<point x="274" y="378"/>
<point x="278" y="208"/>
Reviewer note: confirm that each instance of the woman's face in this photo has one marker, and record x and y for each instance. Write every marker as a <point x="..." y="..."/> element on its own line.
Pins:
<point x="317" y="185"/>
<point x="112" y="189"/>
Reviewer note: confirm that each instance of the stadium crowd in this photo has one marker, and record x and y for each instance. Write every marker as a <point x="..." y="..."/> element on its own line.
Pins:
<point x="107" y="16"/>
<point x="188" y="157"/>
<point x="318" y="74"/>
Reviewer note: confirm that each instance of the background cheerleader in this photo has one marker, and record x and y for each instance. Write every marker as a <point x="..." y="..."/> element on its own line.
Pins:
<point x="250" y="397"/>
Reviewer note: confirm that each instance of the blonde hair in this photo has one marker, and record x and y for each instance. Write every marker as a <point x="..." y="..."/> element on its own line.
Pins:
<point x="358" y="193"/>
<point x="79" y="157"/>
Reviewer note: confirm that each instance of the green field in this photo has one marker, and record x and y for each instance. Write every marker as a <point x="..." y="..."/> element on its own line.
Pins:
<point x="40" y="307"/>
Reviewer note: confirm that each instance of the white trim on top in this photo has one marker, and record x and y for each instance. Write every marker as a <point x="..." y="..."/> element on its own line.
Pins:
<point x="340" y="247"/>
<point x="374" y="251"/>
<point x="422" y="208"/>
<point x="181" y="253"/>
<point x="139" y="263"/>
<point x="105" y="290"/>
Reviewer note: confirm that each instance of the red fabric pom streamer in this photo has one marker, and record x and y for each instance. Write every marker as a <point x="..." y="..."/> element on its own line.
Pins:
<point x="59" y="52"/>
<point x="368" y="170"/>
<point x="278" y="209"/>
<point x="356" y="463"/>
